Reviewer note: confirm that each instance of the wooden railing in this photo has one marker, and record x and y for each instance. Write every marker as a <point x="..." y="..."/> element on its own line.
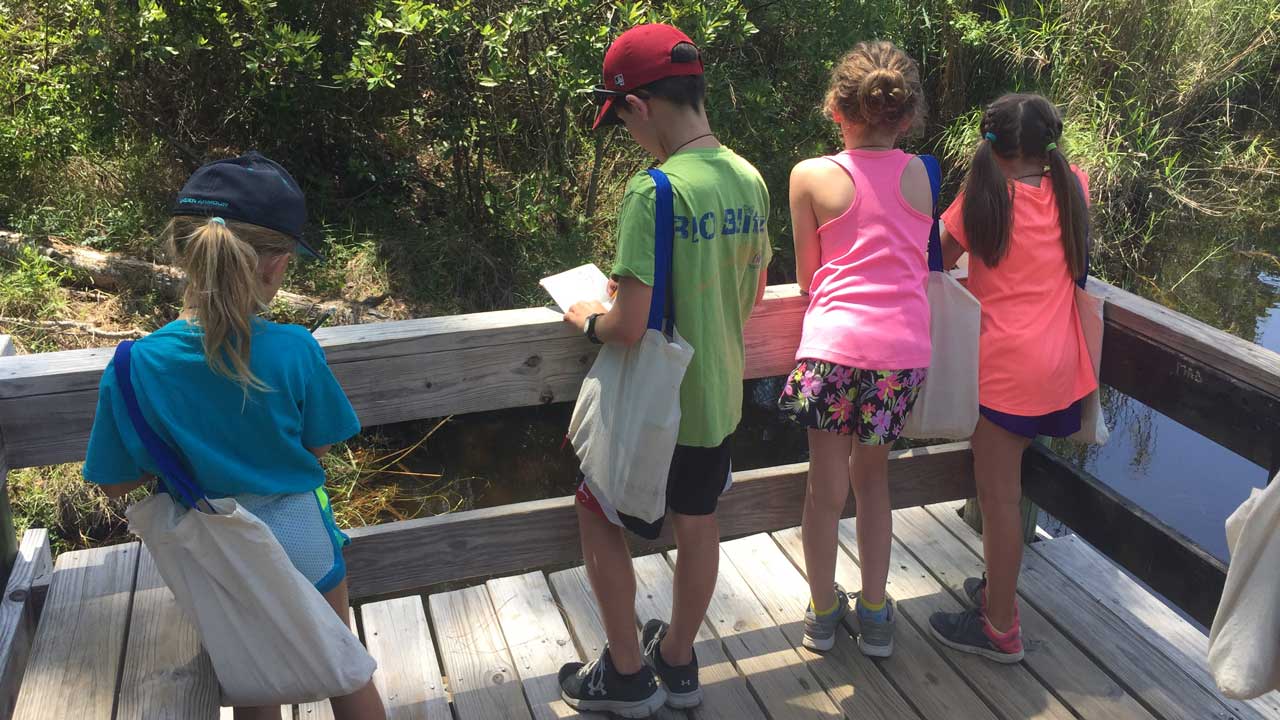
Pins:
<point x="1218" y="385"/>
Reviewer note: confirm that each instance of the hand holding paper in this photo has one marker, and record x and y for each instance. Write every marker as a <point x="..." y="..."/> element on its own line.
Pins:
<point x="583" y="283"/>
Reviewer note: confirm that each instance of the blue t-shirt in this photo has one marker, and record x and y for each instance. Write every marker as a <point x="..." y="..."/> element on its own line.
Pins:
<point x="231" y="443"/>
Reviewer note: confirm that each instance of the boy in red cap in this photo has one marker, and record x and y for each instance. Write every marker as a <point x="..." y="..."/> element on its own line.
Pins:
<point x="654" y="86"/>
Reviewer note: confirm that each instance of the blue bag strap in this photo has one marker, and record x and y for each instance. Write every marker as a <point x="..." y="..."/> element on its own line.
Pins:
<point x="175" y="477"/>
<point x="662" y="306"/>
<point x="935" y="236"/>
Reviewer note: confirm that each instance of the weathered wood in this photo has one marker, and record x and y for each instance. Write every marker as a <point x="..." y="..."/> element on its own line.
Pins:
<point x="226" y="713"/>
<point x="319" y="710"/>
<point x="1194" y="391"/>
<point x="1148" y="674"/>
<point x="408" y="675"/>
<point x="537" y="639"/>
<point x="972" y="515"/>
<point x="1011" y="690"/>
<point x="75" y="660"/>
<point x="8" y="536"/>
<point x="780" y="677"/>
<point x="1065" y="668"/>
<point x="6" y="346"/>
<point x="394" y="372"/>
<point x="481" y="676"/>
<point x="17" y="614"/>
<point x="388" y="559"/>
<point x="852" y="680"/>
<point x="1167" y="631"/>
<point x="936" y="690"/>
<point x="573" y="591"/>
<point x="1135" y="539"/>
<point x="724" y="692"/>
<point x="166" y="674"/>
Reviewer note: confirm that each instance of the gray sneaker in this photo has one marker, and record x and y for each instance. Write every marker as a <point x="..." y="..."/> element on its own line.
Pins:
<point x="820" y="632"/>
<point x="875" y="637"/>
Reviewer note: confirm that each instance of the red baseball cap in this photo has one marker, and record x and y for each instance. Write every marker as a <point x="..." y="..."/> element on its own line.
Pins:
<point x="638" y="57"/>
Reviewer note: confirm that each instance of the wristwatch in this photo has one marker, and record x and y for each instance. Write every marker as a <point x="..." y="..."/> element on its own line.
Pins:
<point x="590" y="329"/>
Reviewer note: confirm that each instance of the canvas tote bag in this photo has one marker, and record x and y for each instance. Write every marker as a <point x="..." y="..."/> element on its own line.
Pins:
<point x="627" y="417"/>
<point x="1243" y="652"/>
<point x="1090" y="308"/>
<point x="947" y="406"/>
<point x="271" y="635"/>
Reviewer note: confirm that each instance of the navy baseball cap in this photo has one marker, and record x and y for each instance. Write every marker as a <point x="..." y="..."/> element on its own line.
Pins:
<point x="250" y="188"/>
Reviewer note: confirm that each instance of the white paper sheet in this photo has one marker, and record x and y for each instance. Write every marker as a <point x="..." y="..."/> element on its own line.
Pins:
<point x="584" y="282"/>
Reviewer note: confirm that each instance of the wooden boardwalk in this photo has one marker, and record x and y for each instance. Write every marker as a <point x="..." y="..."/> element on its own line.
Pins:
<point x="111" y="644"/>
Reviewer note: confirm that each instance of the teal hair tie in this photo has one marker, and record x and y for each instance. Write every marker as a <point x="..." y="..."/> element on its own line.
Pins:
<point x="990" y="136"/>
<point x="218" y="220"/>
<point x="1051" y="147"/>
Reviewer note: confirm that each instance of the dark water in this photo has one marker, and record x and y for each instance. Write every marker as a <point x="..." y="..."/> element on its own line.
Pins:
<point x="1185" y="480"/>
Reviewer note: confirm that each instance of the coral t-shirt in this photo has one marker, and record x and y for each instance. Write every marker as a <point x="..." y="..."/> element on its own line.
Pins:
<point x="1033" y="359"/>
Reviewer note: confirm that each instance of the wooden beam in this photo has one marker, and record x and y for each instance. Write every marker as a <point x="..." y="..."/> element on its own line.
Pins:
<point x="18" y="615"/>
<point x="1224" y="388"/>
<point x="402" y="557"/>
<point x="392" y="372"/>
<point x="1135" y="539"/>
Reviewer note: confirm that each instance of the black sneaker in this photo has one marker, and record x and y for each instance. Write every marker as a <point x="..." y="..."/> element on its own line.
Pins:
<point x="681" y="682"/>
<point x="976" y="590"/>
<point x="597" y="686"/>
<point x="967" y="632"/>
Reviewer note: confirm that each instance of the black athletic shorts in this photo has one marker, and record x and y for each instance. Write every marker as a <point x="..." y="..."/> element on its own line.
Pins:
<point x="698" y="476"/>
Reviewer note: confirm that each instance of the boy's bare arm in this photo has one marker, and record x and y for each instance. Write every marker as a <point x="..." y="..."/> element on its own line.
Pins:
<point x="626" y="322"/>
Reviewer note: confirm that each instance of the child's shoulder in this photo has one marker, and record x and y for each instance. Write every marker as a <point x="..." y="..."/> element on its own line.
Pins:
<point x="285" y="340"/>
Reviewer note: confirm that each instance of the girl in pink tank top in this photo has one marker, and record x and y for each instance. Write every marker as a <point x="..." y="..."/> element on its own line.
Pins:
<point x="1023" y="216"/>
<point x="861" y="221"/>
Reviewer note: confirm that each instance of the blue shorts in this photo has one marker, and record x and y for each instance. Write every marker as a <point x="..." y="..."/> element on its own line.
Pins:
<point x="1059" y="423"/>
<point x="304" y="525"/>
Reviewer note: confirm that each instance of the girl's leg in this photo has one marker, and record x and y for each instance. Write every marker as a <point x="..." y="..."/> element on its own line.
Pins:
<point x="827" y="491"/>
<point x="365" y="703"/>
<point x="869" y="473"/>
<point x="997" y="469"/>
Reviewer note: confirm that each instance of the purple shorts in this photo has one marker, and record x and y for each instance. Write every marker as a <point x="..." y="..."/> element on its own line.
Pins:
<point x="1059" y="423"/>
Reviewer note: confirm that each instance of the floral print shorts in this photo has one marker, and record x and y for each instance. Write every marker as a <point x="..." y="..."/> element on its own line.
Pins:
<point x="869" y="404"/>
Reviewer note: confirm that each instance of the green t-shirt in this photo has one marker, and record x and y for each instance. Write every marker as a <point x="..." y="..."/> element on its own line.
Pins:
<point x="721" y="243"/>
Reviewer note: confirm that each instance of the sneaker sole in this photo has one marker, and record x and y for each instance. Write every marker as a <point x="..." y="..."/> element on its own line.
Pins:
<point x="880" y="651"/>
<point x="819" y="644"/>
<point x="632" y="709"/>
<point x="993" y="655"/>
<point x="684" y="701"/>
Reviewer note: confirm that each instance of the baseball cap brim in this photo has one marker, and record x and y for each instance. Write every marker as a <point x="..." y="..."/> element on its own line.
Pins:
<point x="308" y="250"/>
<point x="606" y="116"/>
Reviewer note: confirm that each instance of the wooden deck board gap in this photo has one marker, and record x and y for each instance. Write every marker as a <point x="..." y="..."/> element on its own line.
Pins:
<point x="124" y="646"/>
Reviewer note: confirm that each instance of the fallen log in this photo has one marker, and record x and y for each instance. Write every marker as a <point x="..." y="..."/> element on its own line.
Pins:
<point x="74" y="325"/>
<point x="113" y="271"/>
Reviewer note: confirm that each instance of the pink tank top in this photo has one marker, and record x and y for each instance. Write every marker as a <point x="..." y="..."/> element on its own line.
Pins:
<point x="867" y="307"/>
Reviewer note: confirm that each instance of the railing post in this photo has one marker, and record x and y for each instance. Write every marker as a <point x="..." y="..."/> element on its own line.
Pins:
<point x="8" y="536"/>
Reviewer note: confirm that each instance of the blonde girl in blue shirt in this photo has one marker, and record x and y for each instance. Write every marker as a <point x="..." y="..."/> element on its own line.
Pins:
<point x="249" y="405"/>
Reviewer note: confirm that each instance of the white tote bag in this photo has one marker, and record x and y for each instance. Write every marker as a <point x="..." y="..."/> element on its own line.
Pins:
<point x="627" y="417"/>
<point x="947" y="406"/>
<point x="1244" y="650"/>
<point x="1093" y="424"/>
<point x="272" y="637"/>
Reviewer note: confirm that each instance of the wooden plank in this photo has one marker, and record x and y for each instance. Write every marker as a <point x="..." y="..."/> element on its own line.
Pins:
<point x="167" y="673"/>
<point x="1010" y="690"/>
<point x="75" y="660"/>
<point x="573" y="591"/>
<point x="391" y="371"/>
<point x="1147" y="615"/>
<point x="319" y="710"/>
<point x="408" y="675"/>
<point x="1195" y="392"/>
<point x="1065" y="668"/>
<point x="725" y="695"/>
<point x="388" y="559"/>
<point x="776" y="673"/>
<point x="1135" y="539"/>
<point x="481" y="676"/>
<point x="852" y="680"/>
<point x="226" y="713"/>
<point x="17" y="613"/>
<point x="6" y="346"/>
<point x="537" y="638"/>
<point x="1147" y="673"/>
<point x="916" y="667"/>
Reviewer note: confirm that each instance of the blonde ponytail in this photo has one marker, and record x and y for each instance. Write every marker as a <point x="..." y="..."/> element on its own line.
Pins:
<point x="224" y="288"/>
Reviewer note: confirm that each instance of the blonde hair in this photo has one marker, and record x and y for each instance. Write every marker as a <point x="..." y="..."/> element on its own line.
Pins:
<point x="877" y="84"/>
<point x="223" y="290"/>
